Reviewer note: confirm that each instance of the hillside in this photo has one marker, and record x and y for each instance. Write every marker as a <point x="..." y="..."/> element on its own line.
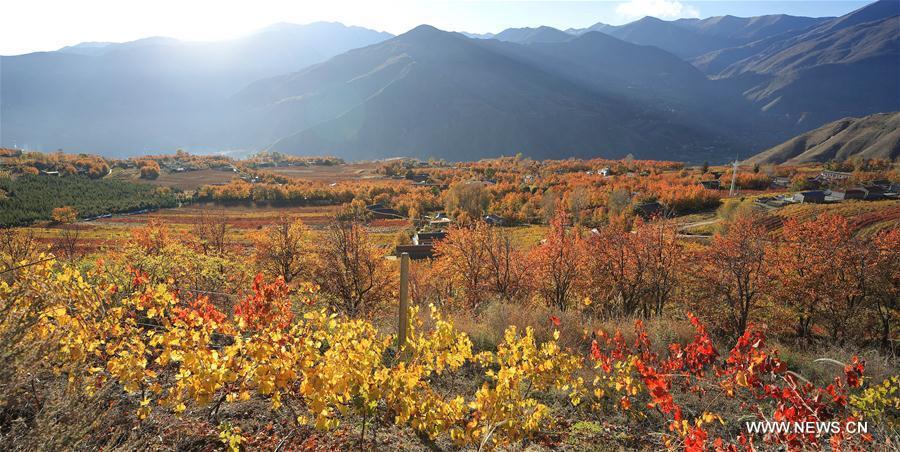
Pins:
<point x="848" y="66"/>
<point x="430" y="92"/>
<point x="874" y="136"/>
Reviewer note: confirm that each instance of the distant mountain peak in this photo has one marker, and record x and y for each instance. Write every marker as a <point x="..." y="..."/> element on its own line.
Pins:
<point x="428" y="35"/>
<point x="650" y="19"/>
<point x="529" y="35"/>
<point x="424" y="29"/>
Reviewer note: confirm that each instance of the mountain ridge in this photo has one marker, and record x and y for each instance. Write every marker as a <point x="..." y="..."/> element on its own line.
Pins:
<point x="474" y="112"/>
<point x="873" y="136"/>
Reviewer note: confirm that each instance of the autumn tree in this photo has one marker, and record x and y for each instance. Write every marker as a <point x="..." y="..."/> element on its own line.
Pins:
<point x="503" y="264"/>
<point x="850" y="281"/>
<point x="149" y="169"/>
<point x="17" y="245"/>
<point x="428" y="284"/>
<point x="280" y="249"/>
<point x="618" y="271"/>
<point x="351" y="270"/>
<point x="824" y="274"/>
<point x="731" y="272"/>
<point x="64" y="215"/>
<point x="618" y="202"/>
<point x="577" y="201"/>
<point x="153" y="237"/>
<point x="464" y="255"/>
<point x="800" y="272"/>
<point x="886" y="282"/>
<point x="665" y="261"/>
<point x="471" y="197"/>
<point x="67" y="243"/>
<point x="354" y="211"/>
<point x="557" y="263"/>
<point x="211" y="231"/>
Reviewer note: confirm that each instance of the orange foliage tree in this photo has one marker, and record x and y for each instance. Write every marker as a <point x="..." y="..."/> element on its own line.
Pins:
<point x="556" y="265"/>
<point x="149" y="169"/>
<point x="731" y="274"/>
<point x="826" y="274"/>
<point x="463" y="256"/>
<point x="152" y="238"/>
<point x="482" y="261"/>
<point x="351" y="270"/>
<point x="886" y="282"/>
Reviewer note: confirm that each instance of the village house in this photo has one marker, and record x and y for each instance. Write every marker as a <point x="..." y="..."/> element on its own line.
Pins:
<point x="828" y="176"/>
<point x="494" y="220"/>
<point x="711" y="184"/>
<point x="416" y="252"/>
<point x="440" y="219"/>
<point x="648" y="209"/>
<point x="380" y="211"/>
<point x="772" y="201"/>
<point x="781" y="182"/>
<point x="422" y="246"/>
<point x="850" y="193"/>
<point x="428" y="237"/>
<point x="417" y="177"/>
<point x="811" y="196"/>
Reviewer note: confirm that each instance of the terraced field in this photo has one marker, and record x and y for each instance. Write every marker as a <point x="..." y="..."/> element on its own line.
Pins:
<point x="866" y="217"/>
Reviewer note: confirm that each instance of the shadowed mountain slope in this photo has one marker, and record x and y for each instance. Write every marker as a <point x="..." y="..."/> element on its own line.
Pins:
<point x="848" y="66"/>
<point x="874" y="136"/>
<point x="430" y="92"/>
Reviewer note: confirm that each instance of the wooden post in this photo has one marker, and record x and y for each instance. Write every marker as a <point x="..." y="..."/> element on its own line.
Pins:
<point x="403" y="325"/>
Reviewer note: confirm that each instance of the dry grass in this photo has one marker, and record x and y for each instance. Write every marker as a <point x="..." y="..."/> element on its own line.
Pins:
<point x="330" y="174"/>
<point x="187" y="180"/>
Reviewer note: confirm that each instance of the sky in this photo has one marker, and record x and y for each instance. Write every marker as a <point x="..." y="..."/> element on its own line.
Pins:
<point x="41" y="25"/>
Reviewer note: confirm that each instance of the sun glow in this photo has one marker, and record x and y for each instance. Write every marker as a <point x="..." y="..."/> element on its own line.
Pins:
<point x="196" y="20"/>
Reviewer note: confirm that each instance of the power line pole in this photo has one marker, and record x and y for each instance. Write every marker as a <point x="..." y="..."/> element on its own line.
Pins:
<point x="734" y="170"/>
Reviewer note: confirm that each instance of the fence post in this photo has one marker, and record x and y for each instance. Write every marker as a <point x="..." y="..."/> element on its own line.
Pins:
<point x="403" y="325"/>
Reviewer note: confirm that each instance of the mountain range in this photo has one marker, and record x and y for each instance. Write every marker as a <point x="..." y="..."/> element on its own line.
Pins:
<point x="689" y="89"/>
<point x="689" y="38"/>
<point x="431" y="92"/>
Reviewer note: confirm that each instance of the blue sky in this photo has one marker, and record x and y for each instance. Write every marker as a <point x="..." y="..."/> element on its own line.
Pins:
<point x="34" y="25"/>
